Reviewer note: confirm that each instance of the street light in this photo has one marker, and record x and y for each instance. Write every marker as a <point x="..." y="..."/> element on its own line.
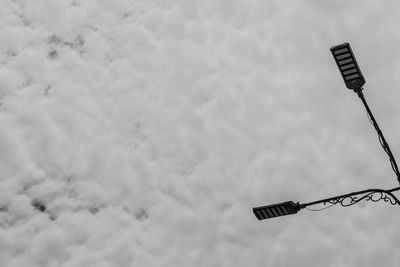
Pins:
<point x="354" y="80"/>
<point x="276" y="210"/>
<point x="346" y="200"/>
<point x="348" y="66"/>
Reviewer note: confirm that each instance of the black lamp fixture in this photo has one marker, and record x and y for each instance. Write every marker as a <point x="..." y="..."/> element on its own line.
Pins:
<point x="276" y="210"/>
<point x="348" y="66"/>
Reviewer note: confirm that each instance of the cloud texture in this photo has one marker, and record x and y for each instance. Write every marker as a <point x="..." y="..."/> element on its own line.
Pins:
<point x="146" y="131"/>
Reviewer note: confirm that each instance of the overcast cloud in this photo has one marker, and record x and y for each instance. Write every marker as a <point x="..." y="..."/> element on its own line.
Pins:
<point x="148" y="130"/>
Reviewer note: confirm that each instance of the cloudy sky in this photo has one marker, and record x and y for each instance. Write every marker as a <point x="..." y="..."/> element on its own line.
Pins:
<point x="146" y="131"/>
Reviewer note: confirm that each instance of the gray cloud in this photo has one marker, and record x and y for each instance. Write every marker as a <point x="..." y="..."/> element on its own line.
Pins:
<point x="148" y="130"/>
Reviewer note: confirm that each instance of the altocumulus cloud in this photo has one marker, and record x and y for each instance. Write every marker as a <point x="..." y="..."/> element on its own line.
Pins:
<point x="141" y="133"/>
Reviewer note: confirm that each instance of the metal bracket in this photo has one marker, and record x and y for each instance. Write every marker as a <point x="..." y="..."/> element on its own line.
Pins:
<point x="350" y="199"/>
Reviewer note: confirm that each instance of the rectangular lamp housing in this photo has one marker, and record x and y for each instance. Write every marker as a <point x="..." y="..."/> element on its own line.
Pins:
<point x="276" y="210"/>
<point x="348" y="66"/>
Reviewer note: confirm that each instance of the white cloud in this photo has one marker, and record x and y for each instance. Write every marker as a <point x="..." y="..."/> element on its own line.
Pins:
<point x="148" y="130"/>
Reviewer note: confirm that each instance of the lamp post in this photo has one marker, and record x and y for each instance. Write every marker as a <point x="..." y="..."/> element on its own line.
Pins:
<point x="354" y="80"/>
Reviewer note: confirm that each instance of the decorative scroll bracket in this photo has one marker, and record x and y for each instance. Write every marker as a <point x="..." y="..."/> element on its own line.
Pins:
<point x="373" y="195"/>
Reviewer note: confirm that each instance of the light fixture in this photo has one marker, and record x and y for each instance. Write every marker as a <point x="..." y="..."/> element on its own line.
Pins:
<point x="348" y="66"/>
<point x="276" y="210"/>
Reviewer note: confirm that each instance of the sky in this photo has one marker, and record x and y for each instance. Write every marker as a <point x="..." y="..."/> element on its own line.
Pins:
<point x="142" y="133"/>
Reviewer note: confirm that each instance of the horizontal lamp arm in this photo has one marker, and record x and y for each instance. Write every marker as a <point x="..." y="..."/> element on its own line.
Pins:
<point x="346" y="200"/>
<point x="355" y="197"/>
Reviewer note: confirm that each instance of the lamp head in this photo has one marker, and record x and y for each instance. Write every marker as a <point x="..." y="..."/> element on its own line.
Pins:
<point x="276" y="210"/>
<point x="348" y="66"/>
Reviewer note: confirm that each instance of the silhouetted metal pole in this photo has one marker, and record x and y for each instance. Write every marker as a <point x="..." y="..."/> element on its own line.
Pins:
<point x="382" y="139"/>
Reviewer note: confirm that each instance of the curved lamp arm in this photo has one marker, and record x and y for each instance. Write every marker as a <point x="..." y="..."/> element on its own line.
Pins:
<point x="350" y="199"/>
